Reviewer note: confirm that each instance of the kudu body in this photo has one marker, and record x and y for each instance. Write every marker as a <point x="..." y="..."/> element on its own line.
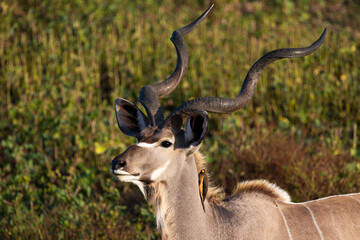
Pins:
<point x="165" y="164"/>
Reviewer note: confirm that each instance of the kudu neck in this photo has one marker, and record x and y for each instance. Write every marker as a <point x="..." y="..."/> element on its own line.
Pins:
<point x="179" y="212"/>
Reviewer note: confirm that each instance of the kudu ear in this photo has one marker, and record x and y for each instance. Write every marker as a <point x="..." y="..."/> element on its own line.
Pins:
<point x="196" y="128"/>
<point x="129" y="117"/>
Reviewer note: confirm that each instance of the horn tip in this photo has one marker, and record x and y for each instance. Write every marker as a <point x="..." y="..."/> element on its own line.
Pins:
<point x="208" y="10"/>
<point x="325" y="30"/>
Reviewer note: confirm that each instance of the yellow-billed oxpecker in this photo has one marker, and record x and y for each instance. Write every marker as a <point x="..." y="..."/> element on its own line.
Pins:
<point x="203" y="186"/>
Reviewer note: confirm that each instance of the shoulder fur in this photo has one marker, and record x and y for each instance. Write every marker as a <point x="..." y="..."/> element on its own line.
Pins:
<point x="263" y="187"/>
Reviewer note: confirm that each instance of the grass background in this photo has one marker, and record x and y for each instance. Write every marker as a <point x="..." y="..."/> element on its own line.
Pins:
<point x="62" y="64"/>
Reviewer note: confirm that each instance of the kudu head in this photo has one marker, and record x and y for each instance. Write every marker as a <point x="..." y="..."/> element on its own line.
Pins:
<point x="163" y="145"/>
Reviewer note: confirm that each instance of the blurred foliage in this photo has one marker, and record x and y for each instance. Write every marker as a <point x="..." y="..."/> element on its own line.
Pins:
<point x="62" y="63"/>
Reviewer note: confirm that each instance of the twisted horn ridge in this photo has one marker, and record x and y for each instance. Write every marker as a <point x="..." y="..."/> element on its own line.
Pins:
<point x="229" y="105"/>
<point x="149" y="94"/>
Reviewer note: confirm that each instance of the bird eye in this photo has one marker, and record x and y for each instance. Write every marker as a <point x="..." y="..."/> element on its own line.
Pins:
<point x="166" y="144"/>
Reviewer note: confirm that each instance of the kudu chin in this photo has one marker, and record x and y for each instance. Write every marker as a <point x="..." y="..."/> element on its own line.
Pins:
<point x="167" y="167"/>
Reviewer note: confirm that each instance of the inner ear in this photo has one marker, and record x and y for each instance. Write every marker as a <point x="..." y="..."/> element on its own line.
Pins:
<point x="130" y="118"/>
<point x="196" y="128"/>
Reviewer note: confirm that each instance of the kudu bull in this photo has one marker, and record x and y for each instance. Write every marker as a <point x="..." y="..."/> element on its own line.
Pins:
<point x="165" y="164"/>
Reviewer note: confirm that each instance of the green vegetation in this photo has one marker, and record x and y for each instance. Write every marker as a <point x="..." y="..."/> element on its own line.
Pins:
<point x="62" y="64"/>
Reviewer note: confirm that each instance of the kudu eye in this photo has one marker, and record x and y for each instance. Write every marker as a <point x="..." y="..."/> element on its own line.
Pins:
<point x="166" y="144"/>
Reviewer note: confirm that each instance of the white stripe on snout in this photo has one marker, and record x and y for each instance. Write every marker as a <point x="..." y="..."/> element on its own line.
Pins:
<point x="158" y="172"/>
<point x="147" y="145"/>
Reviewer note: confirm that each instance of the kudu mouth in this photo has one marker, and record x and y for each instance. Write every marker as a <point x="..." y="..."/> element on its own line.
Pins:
<point x="117" y="169"/>
<point x="123" y="173"/>
<point x="125" y="176"/>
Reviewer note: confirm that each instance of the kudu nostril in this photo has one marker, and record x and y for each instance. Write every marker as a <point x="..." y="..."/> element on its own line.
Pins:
<point x="117" y="164"/>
